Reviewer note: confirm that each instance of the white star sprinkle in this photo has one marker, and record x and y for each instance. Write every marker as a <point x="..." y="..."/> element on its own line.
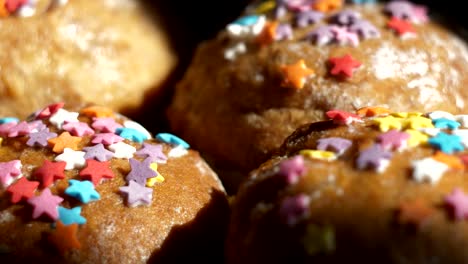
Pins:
<point x="177" y="152"/>
<point x="122" y="150"/>
<point x="63" y="115"/>
<point x="74" y="159"/>
<point x="440" y="114"/>
<point x="430" y="131"/>
<point x="138" y="127"/>
<point x="428" y="170"/>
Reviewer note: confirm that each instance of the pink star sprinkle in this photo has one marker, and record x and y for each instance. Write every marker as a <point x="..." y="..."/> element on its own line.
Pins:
<point x="393" y="139"/>
<point x="292" y="169"/>
<point x="458" y="201"/>
<point x="105" y="124"/>
<point x="8" y="170"/>
<point x="45" y="203"/>
<point x="343" y="36"/>
<point x="21" y="129"/>
<point x="5" y="128"/>
<point x="106" y="138"/>
<point x="79" y="129"/>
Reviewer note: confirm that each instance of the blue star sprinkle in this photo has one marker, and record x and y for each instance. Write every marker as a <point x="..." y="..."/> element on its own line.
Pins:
<point x="131" y="134"/>
<point x="82" y="190"/>
<point x="446" y="143"/>
<point x="71" y="216"/>
<point x="171" y="139"/>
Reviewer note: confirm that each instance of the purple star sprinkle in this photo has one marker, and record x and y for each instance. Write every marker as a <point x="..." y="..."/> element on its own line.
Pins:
<point x="36" y="125"/>
<point x="343" y="36"/>
<point x="292" y="169"/>
<point x="346" y="17"/>
<point x="40" y="138"/>
<point x="322" y="35"/>
<point x="283" y="31"/>
<point x="335" y="144"/>
<point x="98" y="152"/>
<point x="153" y="152"/>
<point x="374" y="157"/>
<point x="137" y="194"/>
<point x="400" y="9"/>
<point x="365" y="29"/>
<point x="393" y="139"/>
<point x="141" y="171"/>
<point x="294" y="209"/>
<point x="306" y="18"/>
<point x="21" y="129"/>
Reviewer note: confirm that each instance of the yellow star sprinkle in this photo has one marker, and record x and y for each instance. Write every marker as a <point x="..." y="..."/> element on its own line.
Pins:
<point x="318" y="154"/>
<point x="158" y="179"/>
<point x="417" y="122"/>
<point x="416" y="138"/>
<point x="265" y="7"/>
<point x="388" y="122"/>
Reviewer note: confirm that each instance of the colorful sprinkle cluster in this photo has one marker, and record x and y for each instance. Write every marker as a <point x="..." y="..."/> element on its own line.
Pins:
<point x="443" y="133"/>
<point x="82" y="146"/>
<point x="327" y="22"/>
<point x="24" y="8"/>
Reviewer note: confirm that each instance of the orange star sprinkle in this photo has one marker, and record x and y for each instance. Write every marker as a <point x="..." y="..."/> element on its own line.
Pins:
<point x="97" y="111"/>
<point x="414" y="212"/>
<point x="267" y="36"/>
<point x="65" y="140"/>
<point x="295" y="74"/>
<point x="327" y="5"/>
<point x="453" y="162"/>
<point x="64" y="237"/>
<point x="371" y="111"/>
<point x="3" y="11"/>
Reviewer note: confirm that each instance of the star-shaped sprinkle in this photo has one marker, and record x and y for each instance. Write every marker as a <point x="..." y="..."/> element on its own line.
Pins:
<point x="428" y="170"/>
<point x="3" y="11"/>
<point x="246" y="27"/>
<point x="172" y="139"/>
<point x="318" y="154"/>
<point x="95" y="171"/>
<point x="20" y="129"/>
<point x="294" y="209"/>
<point x="446" y="143"/>
<point x="452" y="161"/>
<point x="364" y="29"/>
<point x="283" y="32"/>
<point x="418" y="122"/>
<point x="399" y="9"/>
<point x="296" y="74"/>
<point x="388" y="122"/>
<point x="65" y="140"/>
<point x="372" y="111"/>
<point x="140" y="171"/>
<point x="98" y="152"/>
<point x="335" y="144"/>
<point x="122" y="150"/>
<point x="137" y="126"/>
<point x="40" y="138"/>
<point x="344" y="37"/>
<point x="137" y="194"/>
<point x="50" y="172"/>
<point x="6" y="120"/>
<point x="432" y="132"/>
<point x="13" y="5"/>
<point x="177" y="152"/>
<point x="45" y="204"/>
<point x="265" y="7"/>
<point x="36" y="126"/>
<point x="342" y="117"/>
<point x="401" y="27"/>
<point x="82" y="190"/>
<point x="97" y="111"/>
<point x="79" y="129"/>
<point x="298" y="5"/>
<point x="5" y="128"/>
<point x="406" y="114"/>
<point x="22" y="189"/>
<point x="344" y="66"/>
<point x="105" y="124"/>
<point x="306" y="18"/>
<point x="131" y="134"/>
<point x="374" y="157"/>
<point x="106" y="138"/>
<point x="347" y="17"/>
<point x="247" y="20"/>
<point x="445" y="123"/>
<point x="292" y="169"/>
<point x="153" y="152"/>
<point x="416" y="138"/>
<point x="268" y="33"/>
<point x="64" y="237"/>
<point x="327" y="5"/>
<point x="440" y="114"/>
<point x="71" y="216"/>
<point x="158" y="179"/>
<point x="458" y="202"/>
<point x="322" y="35"/>
<point x="414" y="212"/>
<point x="50" y="110"/>
<point x="62" y="116"/>
<point x="74" y="159"/>
<point x="393" y="140"/>
<point x="420" y="14"/>
<point x="8" y="171"/>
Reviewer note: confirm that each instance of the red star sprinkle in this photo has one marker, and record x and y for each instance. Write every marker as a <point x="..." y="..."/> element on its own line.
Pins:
<point x="344" y="65"/>
<point x="400" y="26"/>
<point x="50" y="172"/>
<point x="50" y="110"/>
<point x="22" y="189"/>
<point x="343" y="118"/>
<point x="96" y="170"/>
<point x="13" y="5"/>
